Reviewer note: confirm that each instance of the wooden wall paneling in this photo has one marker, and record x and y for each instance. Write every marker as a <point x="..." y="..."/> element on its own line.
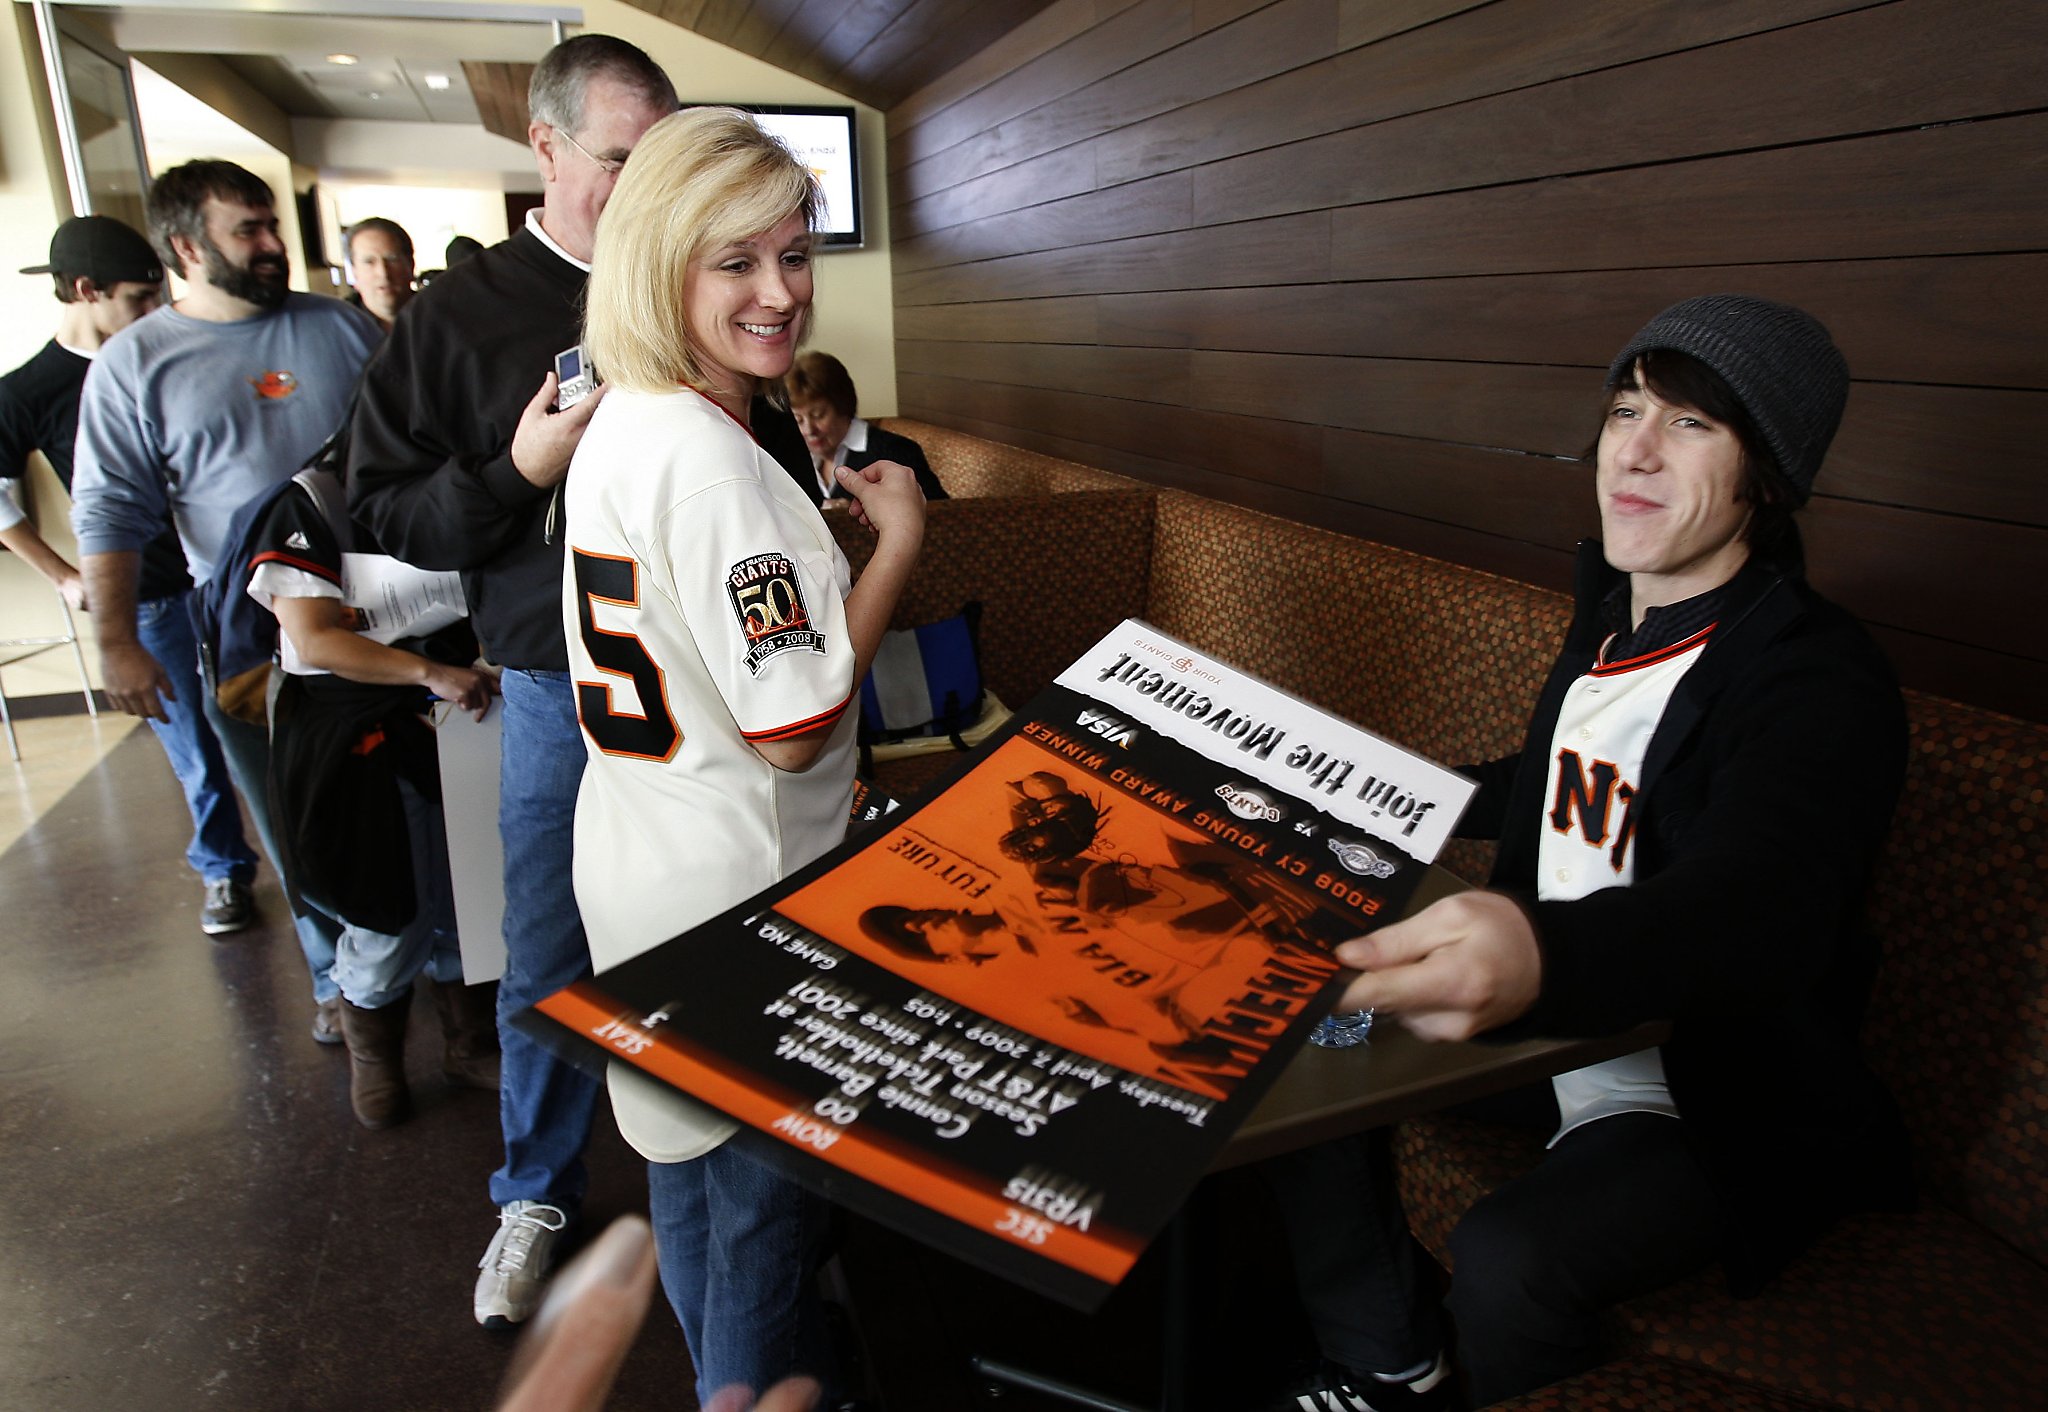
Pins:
<point x="1158" y="203"/>
<point x="1363" y="21"/>
<point x="1214" y="14"/>
<point x="1954" y="189"/>
<point x="1542" y="500"/>
<point x="677" y="12"/>
<point x="2000" y="681"/>
<point x="1513" y="558"/>
<point x="853" y="28"/>
<point x="1759" y="91"/>
<point x="1066" y="172"/>
<point x="764" y="22"/>
<point x="1548" y="411"/>
<point x="1277" y="452"/>
<point x="500" y="94"/>
<point x="1543" y="409"/>
<point x="797" y="42"/>
<point x="1293" y="248"/>
<point x="1271" y="40"/>
<point x="1144" y="374"/>
<point x="1976" y="582"/>
<point x="1964" y="188"/>
<point x="717" y="20"/>
<point x="1042" y="33"/>
<point x="1015" y="321"/>
<point x="1959" y="319"/>
<point x="914" y="24"/>
<point x="1961" y="450"/>
<point x="1917" y="320"/>
<point x="1739" y="96"/>
<point x="1471" y="54"/>
<point x="926" y="25"/>
<point x="1121" y="40"/>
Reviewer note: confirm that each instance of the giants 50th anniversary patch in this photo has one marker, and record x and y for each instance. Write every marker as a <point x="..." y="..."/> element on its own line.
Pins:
<point x="768" y="599"/>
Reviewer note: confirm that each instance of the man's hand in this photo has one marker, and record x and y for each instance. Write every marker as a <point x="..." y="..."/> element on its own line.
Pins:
<point x="470" y="689"/>
<point x="545" y="440"/>
<point x="1458" y="968"/>
<point x="133" y="679"/>
<point x="571" y="1354"/>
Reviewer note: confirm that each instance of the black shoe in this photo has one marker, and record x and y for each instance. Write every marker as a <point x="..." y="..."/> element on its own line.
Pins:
<point x="1341" y="1390"/>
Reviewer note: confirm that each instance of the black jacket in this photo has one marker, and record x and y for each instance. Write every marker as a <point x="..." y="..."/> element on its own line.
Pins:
<point x="882" y="446"/>
<point x="430" y="470"/>
<point x="1766" y="792"/>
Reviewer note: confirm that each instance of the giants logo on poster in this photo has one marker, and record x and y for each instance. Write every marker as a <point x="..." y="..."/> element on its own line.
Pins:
<point x="768" y="599"/>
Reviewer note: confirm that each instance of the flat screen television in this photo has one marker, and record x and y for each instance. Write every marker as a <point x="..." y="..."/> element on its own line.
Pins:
<point x="826" y="139"/>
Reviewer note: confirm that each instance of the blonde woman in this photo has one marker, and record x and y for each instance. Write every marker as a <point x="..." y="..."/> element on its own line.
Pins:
<point x="717" y="646"/>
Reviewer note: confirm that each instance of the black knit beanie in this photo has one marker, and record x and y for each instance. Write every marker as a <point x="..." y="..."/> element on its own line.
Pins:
<point x="1779" y="362"/>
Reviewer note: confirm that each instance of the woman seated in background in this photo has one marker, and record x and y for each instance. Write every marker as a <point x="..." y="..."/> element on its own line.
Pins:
<point x="716" y="644"/>
<point x="822" y="397"/>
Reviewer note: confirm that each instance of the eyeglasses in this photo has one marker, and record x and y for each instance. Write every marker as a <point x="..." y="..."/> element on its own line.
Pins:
<point x="610" y="166"/>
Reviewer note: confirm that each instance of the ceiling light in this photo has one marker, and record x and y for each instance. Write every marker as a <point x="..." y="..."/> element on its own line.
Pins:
<point x="343" y="59"/>
<point x="437" y="82"/>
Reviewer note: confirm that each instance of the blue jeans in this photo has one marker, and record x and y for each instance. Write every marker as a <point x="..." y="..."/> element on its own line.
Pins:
<point x="544" y="1104"/>
<point x="739" y="1248"/>
<point x="218" y="849"/>
<point x="247" y="749"/>
<point x="374" y="969"/>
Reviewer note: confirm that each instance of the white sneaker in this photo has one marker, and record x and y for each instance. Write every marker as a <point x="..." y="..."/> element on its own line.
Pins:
<point x="516" y="1265"/>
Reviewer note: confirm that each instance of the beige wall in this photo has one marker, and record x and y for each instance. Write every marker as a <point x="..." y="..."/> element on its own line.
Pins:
<point x="854" y="287"/>
<point x="855" y="306"/>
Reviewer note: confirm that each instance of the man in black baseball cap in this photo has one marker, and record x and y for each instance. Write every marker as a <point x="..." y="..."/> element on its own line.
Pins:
<point x="102" y="250"/>
<point x="107" y="277"/>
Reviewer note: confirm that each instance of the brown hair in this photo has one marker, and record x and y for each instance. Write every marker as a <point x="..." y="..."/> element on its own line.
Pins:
<point x="820" y="377"/>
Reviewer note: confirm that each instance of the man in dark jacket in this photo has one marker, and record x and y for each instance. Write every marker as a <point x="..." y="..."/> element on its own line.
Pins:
<point x="457" y="461"/>
<point x="1686" y="835"/>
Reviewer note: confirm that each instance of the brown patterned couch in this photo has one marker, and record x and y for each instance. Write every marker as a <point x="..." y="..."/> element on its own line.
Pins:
<point x="1944" y="1308"/>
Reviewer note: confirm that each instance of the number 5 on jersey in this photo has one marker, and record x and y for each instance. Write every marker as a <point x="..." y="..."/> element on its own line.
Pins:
<point x="607" y="578"/>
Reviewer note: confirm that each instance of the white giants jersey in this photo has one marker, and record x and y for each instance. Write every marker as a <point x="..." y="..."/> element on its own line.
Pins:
<point x="703" y="599"/>
<point x="1587" y="839"/>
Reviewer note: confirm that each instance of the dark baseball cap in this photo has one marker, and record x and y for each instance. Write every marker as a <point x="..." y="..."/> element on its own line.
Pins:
<point x="103" y="250"/>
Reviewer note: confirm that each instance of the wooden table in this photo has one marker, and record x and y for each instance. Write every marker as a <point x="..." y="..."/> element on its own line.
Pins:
<point x="1331" y="1093"/>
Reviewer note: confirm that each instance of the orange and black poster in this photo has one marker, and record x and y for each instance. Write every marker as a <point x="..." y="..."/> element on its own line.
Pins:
<point x="1018" y="1018"/>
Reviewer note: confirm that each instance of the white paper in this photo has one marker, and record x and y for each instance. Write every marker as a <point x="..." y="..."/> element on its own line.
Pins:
<point x="476" y="856"/>
<point x="394" y="600"/>
<point x="1276" y="738"/>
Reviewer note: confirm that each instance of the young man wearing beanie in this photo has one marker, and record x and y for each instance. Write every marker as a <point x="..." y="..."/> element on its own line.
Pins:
<point x="106" y="278"/>
<point x="1685" y="835"/>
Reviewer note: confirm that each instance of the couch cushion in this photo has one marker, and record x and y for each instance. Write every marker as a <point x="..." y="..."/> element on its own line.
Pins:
<point x="1052" y="574"/>
<point x="1652" y="1385"/>
<point x="1446" y="1164"/>
<point x="1444" y="660"/>
<point x="1958" y="1023"/>
<point x="974" y="465"/>
<point x="1891" y="1313"/>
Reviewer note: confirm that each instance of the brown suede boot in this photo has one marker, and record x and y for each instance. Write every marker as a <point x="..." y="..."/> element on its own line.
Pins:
<point x="376" y="1062"/>
<point x="469" y="1027"/>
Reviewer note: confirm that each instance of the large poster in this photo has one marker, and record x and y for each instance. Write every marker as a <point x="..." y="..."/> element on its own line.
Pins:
<point x="1019" y="1018"/>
